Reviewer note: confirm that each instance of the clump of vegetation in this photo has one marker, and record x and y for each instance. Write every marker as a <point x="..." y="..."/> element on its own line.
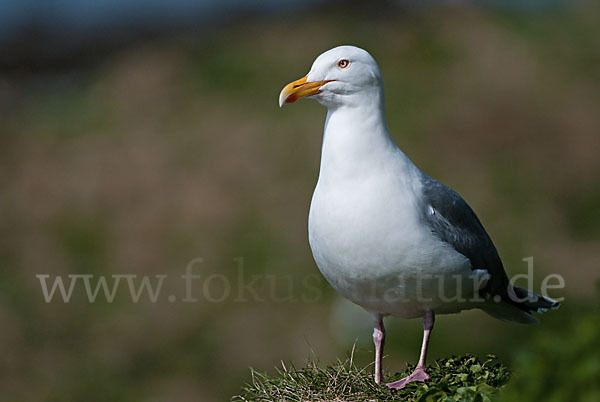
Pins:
<point x="462" y="378"/>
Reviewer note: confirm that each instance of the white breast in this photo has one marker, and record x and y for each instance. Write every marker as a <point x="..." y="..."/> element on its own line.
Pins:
<point x="369" y="241"/>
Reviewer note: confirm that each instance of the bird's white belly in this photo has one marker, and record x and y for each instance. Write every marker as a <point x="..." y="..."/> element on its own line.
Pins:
<point x="369" y="243"/>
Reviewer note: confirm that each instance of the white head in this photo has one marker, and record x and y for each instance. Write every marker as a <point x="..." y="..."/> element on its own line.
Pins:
<point x="339" y="77"/>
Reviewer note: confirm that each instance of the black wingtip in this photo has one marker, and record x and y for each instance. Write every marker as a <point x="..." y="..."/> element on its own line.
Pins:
<point x="529" y="301"/>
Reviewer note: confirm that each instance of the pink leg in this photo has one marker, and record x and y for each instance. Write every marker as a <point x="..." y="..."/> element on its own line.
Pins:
<point x="379" y="341"/>
<point x="419" y="374"/>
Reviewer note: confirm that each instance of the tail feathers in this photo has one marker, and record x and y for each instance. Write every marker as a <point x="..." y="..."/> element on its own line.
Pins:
<point x="518" y="306"/>
<point x="508" y="312"/>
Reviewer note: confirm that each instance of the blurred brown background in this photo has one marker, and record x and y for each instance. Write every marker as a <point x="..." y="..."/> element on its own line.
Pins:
<point x="133" y="148"/>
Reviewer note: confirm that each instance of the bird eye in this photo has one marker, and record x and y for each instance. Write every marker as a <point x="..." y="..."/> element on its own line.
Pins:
<point x="343" y="63"/>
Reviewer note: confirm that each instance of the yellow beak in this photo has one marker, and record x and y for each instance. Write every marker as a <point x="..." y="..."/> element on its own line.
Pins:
<point x="299" y="89"/>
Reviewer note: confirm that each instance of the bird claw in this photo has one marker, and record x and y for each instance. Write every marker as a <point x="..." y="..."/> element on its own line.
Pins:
<point x="418" y="375"/>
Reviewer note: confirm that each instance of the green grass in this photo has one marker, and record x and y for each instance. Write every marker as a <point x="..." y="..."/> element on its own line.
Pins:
<point x="462" y="378"/>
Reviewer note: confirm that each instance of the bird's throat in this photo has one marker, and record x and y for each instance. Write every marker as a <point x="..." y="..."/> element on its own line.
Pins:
<point x="356" y="141"/>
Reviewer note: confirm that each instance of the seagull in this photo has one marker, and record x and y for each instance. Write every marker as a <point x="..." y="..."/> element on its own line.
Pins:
<point x="384" y="234"/>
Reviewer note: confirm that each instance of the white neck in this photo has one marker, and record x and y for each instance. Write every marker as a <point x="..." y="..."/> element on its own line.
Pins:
<point x="357" y="141"/>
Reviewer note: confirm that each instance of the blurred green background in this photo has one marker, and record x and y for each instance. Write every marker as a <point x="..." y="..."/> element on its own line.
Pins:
<point x="137" y="155"/>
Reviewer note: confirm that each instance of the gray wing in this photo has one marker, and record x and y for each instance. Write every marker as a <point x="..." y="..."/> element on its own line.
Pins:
<point x="451" y="219"/>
